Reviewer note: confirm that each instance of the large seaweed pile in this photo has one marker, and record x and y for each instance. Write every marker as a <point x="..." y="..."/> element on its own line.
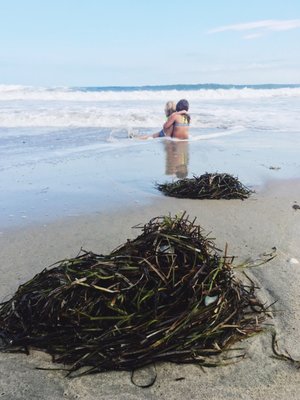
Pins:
<point x="168" y="295"/>
<point x="206" y="186"/>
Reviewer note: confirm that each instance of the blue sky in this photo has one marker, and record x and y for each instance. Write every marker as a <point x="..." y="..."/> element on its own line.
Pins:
<point x="139" y="42"/>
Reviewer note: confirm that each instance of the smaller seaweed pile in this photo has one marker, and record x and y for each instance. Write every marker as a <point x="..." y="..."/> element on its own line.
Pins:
<point x="206" y="186"/>
<point x="168" y="295"/>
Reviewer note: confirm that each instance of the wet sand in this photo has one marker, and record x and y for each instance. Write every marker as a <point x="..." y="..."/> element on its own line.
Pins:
<point x="252" y="227"/>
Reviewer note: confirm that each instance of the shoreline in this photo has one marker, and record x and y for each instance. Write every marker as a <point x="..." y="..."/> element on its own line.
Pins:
<point x="103" y="231"/>
<point x="250" y="228"/>
<point x="74" y="177"/>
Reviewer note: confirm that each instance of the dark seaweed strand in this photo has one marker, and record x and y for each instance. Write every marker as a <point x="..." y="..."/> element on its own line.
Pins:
<point x="143" y="303"/>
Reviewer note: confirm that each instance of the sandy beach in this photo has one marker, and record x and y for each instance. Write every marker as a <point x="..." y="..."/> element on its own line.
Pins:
<point x="83" y="93"/>
<point x="72" y="179"/>
<point x="252" y="227"/>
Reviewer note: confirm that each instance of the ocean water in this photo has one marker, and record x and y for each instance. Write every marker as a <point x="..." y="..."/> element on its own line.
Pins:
<point x="64" y="151"/>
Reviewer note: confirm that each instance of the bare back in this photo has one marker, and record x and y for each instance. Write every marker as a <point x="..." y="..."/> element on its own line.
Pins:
<point x="180" y="124"/>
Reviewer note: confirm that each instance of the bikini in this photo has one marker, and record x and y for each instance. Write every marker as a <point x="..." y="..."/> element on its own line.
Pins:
<point x="185" y="123"/>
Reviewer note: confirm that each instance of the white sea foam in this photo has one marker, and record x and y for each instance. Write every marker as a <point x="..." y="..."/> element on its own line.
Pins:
<point x="221" y="133"/>
<point x="263" y="109"/>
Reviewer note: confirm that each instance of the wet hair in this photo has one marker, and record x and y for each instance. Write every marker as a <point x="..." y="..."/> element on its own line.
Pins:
<point x="183" y="104"/>
<point x="170" y="108"/>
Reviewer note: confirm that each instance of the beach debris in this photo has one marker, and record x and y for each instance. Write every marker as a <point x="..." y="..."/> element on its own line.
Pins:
<point x="206" y="186"/>
<point x="208" y="300"/>
<point x="263" y="258"/>
<point x="296" y="206"/>
<point x="285" y="356"/>
<point x="167" y="295"/>
<point x="132" y="133"/>
<point x="293" y="261"/>
<point x="272" y="167"/>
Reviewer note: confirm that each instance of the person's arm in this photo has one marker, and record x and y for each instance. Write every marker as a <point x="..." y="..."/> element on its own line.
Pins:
<point x="170" y="121"/>
<point x="172" y="118"/>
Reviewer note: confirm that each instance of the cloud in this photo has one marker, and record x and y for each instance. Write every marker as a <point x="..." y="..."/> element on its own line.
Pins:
<point x="259" y="27"/>
<point x="253" y="35"/>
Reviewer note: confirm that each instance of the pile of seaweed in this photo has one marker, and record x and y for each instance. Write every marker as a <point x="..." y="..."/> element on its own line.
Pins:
<point x="167" y="295"/>
<point x="206" y="186"/>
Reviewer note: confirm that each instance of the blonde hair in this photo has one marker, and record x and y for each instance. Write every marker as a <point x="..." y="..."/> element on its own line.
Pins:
<point x="170" y="107"/>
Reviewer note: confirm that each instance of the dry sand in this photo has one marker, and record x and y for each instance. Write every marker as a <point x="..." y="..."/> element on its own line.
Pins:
<point x="250" y="228"/>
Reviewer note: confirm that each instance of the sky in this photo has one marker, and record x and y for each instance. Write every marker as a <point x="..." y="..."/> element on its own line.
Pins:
<point x="141" y="42"/>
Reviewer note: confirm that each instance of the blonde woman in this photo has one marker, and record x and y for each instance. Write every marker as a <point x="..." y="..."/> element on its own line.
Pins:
<point x="170" y="108"/>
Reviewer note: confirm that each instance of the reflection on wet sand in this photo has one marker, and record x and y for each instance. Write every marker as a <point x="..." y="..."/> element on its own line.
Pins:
<point x="177" y="158"/>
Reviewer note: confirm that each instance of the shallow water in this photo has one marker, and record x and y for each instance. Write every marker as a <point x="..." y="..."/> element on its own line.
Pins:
<point x="66" y="152"/>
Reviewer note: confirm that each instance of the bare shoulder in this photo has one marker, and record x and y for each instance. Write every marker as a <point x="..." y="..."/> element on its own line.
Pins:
<point x="177" y="117"/>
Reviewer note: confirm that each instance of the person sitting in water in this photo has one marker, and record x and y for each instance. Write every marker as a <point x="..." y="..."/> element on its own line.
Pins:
<point x="177" y="125"/>
<point x="170" y="108"/>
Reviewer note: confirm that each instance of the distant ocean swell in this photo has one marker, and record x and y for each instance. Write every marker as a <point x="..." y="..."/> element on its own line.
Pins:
<point x="148" y="93"/>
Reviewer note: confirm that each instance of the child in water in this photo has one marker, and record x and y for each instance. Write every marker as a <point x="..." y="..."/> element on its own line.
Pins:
<point x="170" y="108"/>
